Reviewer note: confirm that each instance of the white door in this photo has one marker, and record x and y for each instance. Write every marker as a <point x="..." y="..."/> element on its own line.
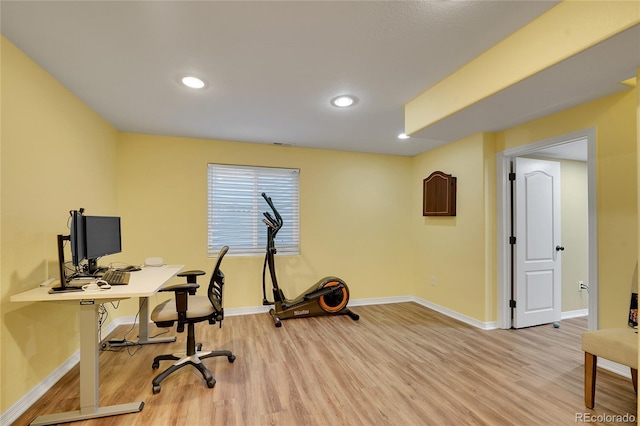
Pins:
<point x="537" y="249"/>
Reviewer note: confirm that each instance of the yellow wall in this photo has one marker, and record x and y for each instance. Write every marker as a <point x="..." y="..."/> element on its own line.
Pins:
<point x="614" y="119"/>
<point x="57" y="155"/>
<point x="353" y="215"/>
<point x="454" y="267"/>
<point x="575" y="231"/>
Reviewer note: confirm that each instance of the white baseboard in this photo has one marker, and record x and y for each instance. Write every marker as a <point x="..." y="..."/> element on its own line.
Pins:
<point x="492" y="325"/>
<point x="230" y="312"/>
<point x="249" y="310"/>
<point x="614" y="367"/>
<point x="381" y="300"/>
<point x="575" y="314"/>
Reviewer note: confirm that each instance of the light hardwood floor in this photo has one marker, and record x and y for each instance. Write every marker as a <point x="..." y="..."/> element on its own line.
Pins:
<point x="401" y="364"/>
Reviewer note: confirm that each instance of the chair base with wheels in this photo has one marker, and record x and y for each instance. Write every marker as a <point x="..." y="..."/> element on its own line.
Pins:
<point x="193" y="356"/>
<point x="188" y="309"/>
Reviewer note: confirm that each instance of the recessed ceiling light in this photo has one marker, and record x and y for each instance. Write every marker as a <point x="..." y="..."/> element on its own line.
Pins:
<point x="403" y="136"/>
<point x="193" y="82"/>
<point x="344" y="101"/>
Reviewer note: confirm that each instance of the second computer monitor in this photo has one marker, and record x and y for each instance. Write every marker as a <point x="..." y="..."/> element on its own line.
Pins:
<point x="77" y="238"/>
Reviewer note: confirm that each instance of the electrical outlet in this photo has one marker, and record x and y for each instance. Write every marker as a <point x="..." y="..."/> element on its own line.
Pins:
<point x="580" y="285"/>
<point x="434" y="281"/>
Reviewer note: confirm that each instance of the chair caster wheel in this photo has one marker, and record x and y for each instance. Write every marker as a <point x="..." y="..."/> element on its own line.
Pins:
<point x="155" y="365"/>
<point x="278" y="324"/>
<point x="355" y="317"/>
<point x="156" y="389"/>
<point x="231" y="358"/>
<point x="199" y="347"/>
<point x="211" y="383"/>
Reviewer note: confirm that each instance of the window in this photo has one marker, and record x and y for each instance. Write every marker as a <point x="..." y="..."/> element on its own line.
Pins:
<point x="236" y="207"/>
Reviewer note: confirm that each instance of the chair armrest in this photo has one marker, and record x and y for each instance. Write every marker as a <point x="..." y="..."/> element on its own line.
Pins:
<point x="189" y="287"/>
<point x="191" y="275"/>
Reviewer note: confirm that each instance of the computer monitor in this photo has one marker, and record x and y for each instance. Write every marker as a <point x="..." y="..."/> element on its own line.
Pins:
<point x="77" y="238"/>
<point x="78" y="252"/>
<point x="102" y="238"/>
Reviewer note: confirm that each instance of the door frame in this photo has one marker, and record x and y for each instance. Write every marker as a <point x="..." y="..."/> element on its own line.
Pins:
<point x="503" y="220"/>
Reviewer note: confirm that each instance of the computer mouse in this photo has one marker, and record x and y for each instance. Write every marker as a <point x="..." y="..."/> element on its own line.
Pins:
<point x="130" y="268"/>
<point x="103" y="284"/>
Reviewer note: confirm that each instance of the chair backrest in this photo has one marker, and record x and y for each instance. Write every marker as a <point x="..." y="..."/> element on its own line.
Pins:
<point x="215" y="285"/>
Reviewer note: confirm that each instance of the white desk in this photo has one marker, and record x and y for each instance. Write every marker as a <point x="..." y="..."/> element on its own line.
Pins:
<point x="143" y="283"/>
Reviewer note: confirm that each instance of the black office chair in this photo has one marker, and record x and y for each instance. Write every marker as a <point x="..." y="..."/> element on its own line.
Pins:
<point x="187" y="308"/>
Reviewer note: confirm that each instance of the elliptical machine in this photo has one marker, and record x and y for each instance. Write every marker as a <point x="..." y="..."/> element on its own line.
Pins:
<point x="329" y="296"/>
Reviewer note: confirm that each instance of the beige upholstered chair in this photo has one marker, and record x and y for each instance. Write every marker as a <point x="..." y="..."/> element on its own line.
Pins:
<point x="615" y="344"/>
<point x="188" y="309"/>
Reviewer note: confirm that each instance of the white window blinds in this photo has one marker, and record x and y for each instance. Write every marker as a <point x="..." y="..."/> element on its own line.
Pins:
<point x="236" y="206"/>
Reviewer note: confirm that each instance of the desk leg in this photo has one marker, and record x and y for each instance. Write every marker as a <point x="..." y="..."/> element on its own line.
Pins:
<point x="143" y="328"/>
<point x="89" y="367"/>
<point x="89" y="376"/>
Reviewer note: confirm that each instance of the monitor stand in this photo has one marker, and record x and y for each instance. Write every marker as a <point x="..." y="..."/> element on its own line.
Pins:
<point x="63" y="276"/>
<point x="93" y="266"/>
<point x="65" y="289"/>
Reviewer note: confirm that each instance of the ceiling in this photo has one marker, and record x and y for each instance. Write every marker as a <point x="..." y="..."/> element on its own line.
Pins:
<point x="576" y="150"/>
<point x="271" y="67"/>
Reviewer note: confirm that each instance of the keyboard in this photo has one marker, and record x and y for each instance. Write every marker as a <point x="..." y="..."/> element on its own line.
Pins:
<point x="116" y="277"/>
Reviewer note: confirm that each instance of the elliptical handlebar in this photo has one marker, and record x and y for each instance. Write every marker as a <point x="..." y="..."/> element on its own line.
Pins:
<point x="274" y="223"/>
<point x="269" y="220"/>
<point x="273" y="226"/>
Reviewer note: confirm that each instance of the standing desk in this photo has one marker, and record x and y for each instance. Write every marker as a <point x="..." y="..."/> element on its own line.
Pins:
<point x="142" y="284"/>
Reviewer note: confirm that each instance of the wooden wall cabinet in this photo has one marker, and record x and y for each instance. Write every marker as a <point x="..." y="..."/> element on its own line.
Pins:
<point x="439" y="195"/>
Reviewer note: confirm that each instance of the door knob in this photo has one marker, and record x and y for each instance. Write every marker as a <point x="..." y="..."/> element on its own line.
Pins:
<point x="559" y="248"/>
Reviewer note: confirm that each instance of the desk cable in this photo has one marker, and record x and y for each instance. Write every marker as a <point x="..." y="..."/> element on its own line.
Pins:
<point x="127" y="343"/>
<point x="103" y="314"/>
